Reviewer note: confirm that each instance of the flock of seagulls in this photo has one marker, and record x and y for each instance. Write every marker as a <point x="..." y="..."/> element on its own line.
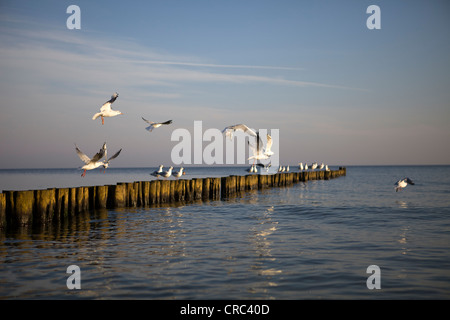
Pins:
<point x="166" y="174"/>
<point x="260" y="152"/>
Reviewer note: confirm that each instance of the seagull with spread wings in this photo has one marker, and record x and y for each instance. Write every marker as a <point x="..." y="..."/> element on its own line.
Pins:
<point x="91" y="163"/>
<point x="230" y="129"/>
<point x="154" y="125"/>
<point x="399" y="185"/>
<point x="106" y="111"/>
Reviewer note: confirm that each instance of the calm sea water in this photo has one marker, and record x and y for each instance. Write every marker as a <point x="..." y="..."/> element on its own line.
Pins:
<point x="313" y="240"/>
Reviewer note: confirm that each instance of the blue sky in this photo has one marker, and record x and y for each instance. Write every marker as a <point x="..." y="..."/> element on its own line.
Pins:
<point x="338" y="92"/>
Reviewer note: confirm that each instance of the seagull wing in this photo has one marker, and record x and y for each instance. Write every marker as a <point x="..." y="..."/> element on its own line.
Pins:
<point x="115" y="155"/>
<point x="82" y="156"/>
<point x="409" y="181"/>
<point x="167" y="122"/>
<point x="99" y="154"/>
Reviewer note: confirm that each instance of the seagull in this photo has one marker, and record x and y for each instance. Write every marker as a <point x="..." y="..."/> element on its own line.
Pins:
<point x="154" y="125"/>
<point x="91" y="163"/>
<point x="287" y="169"/>
<point x="157" y="173"/>
<point x="178" y="174"/>
<point x="326" y="168"/>
<point x="321" y="166"/>
<point x="314" y="166"/>
<point x="230" y="129"/>
<point x="399" y="185"/>
<point x="306" y="166"/>
<point x="167" y="173"/>
<point x="106" y="161"/>
<point x="250" y="169"/>
<point x="106" y="111"/>
<point x="300" y="166"/>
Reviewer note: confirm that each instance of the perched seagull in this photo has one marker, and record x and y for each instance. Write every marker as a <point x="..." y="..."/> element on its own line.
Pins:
<point x="230" y="129"/>
<point x="106" y="161"/>
<point x="326" y="168"/>
<point x="321" y="166"/>
<point x="287" y="169"/>
<point x="306" y="166"/>
<point x="167" y="173"/>
<point x="154" y="125"/>
<point x="178" y="174"/>
<point x="300" y="166"/>
<point x="106" y="111"/>
<point x="399" y="185"/>
<point x="251" y="169"/>
<point x="157" y="173"/>
<point x="314" y="166"/>
<point x="91" y="163"/>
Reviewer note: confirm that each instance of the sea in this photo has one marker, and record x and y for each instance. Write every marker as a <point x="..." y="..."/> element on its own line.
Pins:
<point x="349" y="238"/>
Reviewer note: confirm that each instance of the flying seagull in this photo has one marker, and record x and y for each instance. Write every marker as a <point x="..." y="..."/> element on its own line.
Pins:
<point x="399" y="185"/>
<point x="106" y="111"/>
<point x="230" y="129"/>
<point x="91" y="163"/>
<point x="153" y="125"/>
<point x="106" y="161"/>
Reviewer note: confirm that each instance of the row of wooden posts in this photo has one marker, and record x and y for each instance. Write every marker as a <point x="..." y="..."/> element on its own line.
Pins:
<point x="46" y="205"/>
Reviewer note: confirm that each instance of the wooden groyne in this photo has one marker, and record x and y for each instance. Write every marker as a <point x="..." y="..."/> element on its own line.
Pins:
<point x="43" y="206"/>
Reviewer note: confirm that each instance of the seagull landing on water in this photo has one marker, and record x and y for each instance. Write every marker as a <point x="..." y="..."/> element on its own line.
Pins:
<point x="154" y="125"/>
<point x="106" y="161"/>
<point x="399" y="185"/>
<point x="230" y="129"/>
<point x="91" y="163"/>
<point x="106" y="111"/>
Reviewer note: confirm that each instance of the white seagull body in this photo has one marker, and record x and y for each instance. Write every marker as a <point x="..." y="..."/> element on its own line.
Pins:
<point x="314" y="166"/>
<point x="167" y="173"/>
<point x="399" y="185"/>
<point x="157" y="173"/>
<point x="321" y="166"/>
<point x="306" y="166"/>
<point x="91" y="163"/>
<point x="300" y="166"/>
<point x="106" y="111"/>
<point x="178" y="174"/>
<point x="230" y="129"/>
<point x="154" y="125"/>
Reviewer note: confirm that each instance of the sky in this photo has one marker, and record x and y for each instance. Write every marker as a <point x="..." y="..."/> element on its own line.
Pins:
<point x="337" y="91"/>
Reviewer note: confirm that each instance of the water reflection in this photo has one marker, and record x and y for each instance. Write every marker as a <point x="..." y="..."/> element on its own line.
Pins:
<point x="265" y="264"/>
